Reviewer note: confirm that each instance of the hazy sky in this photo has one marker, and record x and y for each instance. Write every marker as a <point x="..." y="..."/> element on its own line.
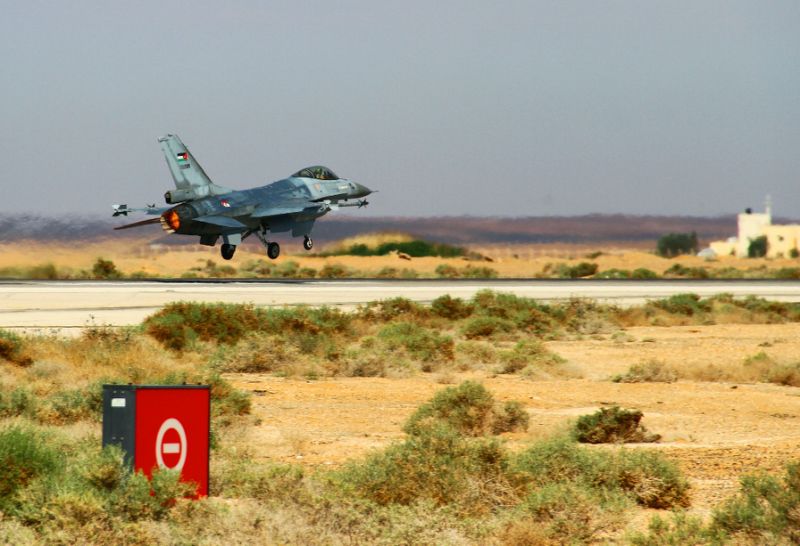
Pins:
<point x="449" y="107"/>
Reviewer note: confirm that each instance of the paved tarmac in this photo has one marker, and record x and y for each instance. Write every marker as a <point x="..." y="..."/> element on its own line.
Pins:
<point x="60" y="305"/>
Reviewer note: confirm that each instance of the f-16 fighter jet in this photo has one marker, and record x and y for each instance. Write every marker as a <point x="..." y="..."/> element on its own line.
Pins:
<point x="200" y="207"/>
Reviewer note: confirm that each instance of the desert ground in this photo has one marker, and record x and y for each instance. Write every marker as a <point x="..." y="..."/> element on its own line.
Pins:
<point x="716" y="431"/>
<point x="143" y="258"/>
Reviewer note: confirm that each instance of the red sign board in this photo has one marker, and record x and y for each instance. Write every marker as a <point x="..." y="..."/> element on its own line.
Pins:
<point x="172" y="432"/>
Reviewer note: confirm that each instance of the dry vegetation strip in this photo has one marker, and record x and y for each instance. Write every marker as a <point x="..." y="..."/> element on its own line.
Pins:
<point x="450" y="480"/>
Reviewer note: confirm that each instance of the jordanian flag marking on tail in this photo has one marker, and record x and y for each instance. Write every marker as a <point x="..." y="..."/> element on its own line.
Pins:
<point x="183" y="160"/>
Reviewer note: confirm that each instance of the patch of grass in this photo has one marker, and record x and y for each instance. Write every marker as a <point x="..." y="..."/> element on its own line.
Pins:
<point x="612" y="425"/>
<point x="469" y="409"/>
<point x="25" y="455"/>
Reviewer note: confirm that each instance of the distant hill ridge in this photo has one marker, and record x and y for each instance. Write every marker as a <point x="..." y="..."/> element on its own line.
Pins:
<point x="451" y="229"/>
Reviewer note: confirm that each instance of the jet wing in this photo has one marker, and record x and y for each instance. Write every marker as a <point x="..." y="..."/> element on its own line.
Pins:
<point x="287" y="207"/>
<point x="222" y="221"/>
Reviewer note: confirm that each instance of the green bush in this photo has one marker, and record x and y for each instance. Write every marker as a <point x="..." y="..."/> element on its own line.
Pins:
<point x="612" y="425"/>
<point x="614" y="274"/>
<point x="437" y="465"/>
<point x="787" y="273"/>
<point x="446" y="271"/>
<point x="765" y="510"/>
<point x="673" y="244"/>
<point x="25" y="455"/>
<point x="644" y="476"/>
<point x="451" y="308"/>
<point x="683" y="304"/>
<point x="583" y="269"/>
<point x="529" y="352"/>
<point x="105" y="269"/>
<point x="19" y="401"/>
<point x="678" y="270"/>
<point x="469" y="409"/>
<point x="683" y="529"/>
<point x="478" y="327"/>
<point x="643" y="273"/>
<point x="758" y="247"/>
<point x="419" y="342"/>
<point x="177" y="325"/>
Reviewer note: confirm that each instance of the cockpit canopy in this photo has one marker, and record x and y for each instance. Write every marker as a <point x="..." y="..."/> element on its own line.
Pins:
<point x="319" y="172"/>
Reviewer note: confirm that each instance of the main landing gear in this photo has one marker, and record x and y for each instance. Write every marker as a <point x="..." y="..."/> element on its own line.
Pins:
<point x="227" y="251"/>
<point x="273" y="248"/>
<point x="308" y="242"/>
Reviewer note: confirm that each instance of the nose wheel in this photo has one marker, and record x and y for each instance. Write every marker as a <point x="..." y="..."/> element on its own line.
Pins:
<point x="308" y="243"/>
<point x="227" y="251"/>
<point x="273" y="250"/>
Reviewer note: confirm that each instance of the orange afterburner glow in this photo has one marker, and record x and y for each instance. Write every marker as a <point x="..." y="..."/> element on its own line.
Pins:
<point x="170" y="221"/>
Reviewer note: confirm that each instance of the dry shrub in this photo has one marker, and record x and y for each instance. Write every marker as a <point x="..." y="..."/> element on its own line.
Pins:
<point x="644" y="476"/>
<point x="473" y="354"/>
<point x="12" y="348"/>
<point x="612" y="425"/>
<point x="652" y="371"/>
<point x="260" y="353"/>
<point x="420" y="343"/>
<point x="532" y="358"/>
<point x="439" y="465"/>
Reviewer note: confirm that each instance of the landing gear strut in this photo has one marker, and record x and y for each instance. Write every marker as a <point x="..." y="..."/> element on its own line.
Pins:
<point x="308" y="243"/>
<point x="227" y="251"/>
<point x="273" y="249"/>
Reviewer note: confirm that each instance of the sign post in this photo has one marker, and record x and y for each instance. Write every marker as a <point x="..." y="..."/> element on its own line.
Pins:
<point x="166" y="427"/>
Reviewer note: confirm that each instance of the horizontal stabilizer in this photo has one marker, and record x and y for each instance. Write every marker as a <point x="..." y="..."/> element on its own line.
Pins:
<point x="222" y="221"/>
<point x="140" y="223"/>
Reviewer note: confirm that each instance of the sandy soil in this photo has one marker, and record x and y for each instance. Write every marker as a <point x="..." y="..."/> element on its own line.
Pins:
<point x="138" y="256"/>
<point x="715" y="431"/>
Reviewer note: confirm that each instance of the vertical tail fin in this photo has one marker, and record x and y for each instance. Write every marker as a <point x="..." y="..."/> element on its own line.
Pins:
<point x="186" y="171"/>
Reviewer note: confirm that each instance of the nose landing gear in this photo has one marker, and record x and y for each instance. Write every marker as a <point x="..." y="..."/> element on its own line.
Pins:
<point x="308" y="242"/>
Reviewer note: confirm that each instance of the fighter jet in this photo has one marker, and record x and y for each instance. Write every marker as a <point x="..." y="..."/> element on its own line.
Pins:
<point x="200" y="207"/>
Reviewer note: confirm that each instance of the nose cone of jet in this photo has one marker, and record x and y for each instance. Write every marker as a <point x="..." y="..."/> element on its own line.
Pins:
<point x="360" y="190"/>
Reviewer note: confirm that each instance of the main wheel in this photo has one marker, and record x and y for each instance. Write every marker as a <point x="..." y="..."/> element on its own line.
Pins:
<point x="308" y="243"/>
<point x="273" y="250"/>
<point x="227" y="251"/>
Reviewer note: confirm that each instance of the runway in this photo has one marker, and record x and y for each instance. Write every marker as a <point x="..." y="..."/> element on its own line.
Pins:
<point x="63" y="305"/>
